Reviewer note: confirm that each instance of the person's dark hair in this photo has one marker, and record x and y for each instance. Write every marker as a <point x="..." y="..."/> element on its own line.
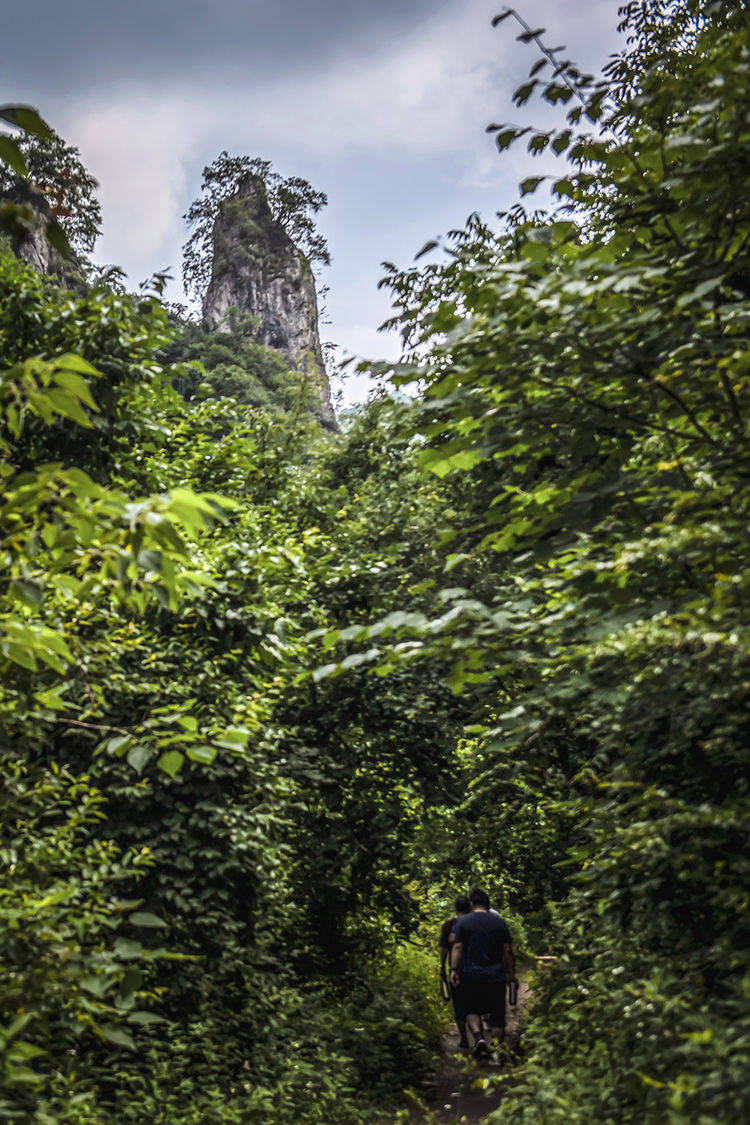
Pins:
<point x="463" y="906"/>
<point x="478" y="897"/>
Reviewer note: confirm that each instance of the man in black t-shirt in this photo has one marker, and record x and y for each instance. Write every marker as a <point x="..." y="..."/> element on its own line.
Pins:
<point x="481" y="962"/>
<point x="444" y="944"/>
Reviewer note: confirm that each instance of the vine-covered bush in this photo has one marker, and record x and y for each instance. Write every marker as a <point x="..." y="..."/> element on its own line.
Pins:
<point x="153" y="637"/>
<point x="586" y="371"/>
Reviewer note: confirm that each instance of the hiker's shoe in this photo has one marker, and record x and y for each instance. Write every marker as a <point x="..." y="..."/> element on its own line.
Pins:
<point x="463" y="1044"/>
<point x="481" y="1050"/>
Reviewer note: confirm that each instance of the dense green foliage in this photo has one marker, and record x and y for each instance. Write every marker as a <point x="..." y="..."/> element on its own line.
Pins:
<point x="200" y="854"/>
<point x="35" y="167"/>
<point x="54" y="170"/>
<point x="269" y="696"/>
<point x="587" y="373"/>
<point x="231" y="363"/>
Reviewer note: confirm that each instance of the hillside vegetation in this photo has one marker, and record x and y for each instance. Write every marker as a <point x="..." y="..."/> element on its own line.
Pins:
<point x="270" y="695"/>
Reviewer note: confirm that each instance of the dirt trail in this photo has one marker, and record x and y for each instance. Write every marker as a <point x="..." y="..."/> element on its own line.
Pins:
<point x="455" y="1096"/>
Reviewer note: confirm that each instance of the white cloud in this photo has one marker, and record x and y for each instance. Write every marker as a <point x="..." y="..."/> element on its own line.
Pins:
<point x="135" y="145"/>
<point x="416" y="99"/>
<point x="422" y="98"/>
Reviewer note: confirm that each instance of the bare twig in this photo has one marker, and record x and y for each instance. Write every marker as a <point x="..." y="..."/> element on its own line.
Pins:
<point x="89" y="726"/>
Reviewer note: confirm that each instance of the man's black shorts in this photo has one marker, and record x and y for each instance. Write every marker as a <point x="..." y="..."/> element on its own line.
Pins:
<point x="472" y="997"/>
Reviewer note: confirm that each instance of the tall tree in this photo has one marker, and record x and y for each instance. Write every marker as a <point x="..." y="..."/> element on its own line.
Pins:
<point x="54" y="173"/>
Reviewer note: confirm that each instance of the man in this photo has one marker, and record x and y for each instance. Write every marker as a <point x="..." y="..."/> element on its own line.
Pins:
<point x="444" y="944"/>
<point x="481" y="962"/>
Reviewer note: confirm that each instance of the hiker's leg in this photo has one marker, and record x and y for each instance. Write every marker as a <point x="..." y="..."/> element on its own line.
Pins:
<point x="497" y="1016"/>
<point x="460" y="1016"/>
<point x="473" y="1004"/>
<point x="479" y="1050"/>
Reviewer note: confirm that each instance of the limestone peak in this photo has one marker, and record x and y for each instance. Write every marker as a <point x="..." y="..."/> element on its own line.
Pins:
<point x="258" y="270"/>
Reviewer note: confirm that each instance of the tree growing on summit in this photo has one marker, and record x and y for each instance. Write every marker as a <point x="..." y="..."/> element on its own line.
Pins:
<point x="292" y="199"/>
<point x="55" y="171"/>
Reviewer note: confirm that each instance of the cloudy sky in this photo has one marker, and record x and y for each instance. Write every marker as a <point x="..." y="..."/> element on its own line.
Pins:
<point x="380" y="103"/>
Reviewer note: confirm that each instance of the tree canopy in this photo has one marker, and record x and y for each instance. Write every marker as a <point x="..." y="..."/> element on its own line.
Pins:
<point x="40" y="166"/>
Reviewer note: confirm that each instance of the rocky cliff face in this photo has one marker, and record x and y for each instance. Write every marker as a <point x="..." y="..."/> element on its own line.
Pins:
<point x="258" y="270"/>
<point x="34" y="248"/>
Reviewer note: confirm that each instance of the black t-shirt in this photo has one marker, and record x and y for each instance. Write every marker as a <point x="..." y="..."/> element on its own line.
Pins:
<point x="482" y="937"/>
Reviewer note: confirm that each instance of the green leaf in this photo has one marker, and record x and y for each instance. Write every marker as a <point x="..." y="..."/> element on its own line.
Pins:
<point x="48" y="638"/>
<point x="523" y="93"/>
<point x="71" y="381"/>
<point x="27" y="592"/>
<point x="11" y="155"/>
<point x="563" y="188"/>
<point x="203" y="754"/>
<point x="145" y="1019"/>
<point x="426" y="248"/>
<point x="16" y="1026"/>
<point x="128" y="950"/>
<point x="117" y="745"/>
<point x="51" y="700"/>
<point x="150" y="561"/>
<point x="171" y="762"/>
<point x="355" y="659"/>
<point x="72" y="362"/>
<point x="700" y="291"/>
<point x="138" y="756"/>
<point x="504" y="139"/>
<point x="82" y="484"/>
<point x="455" y="560"/>
<point x="130" y="981"/>
<point x="68" y="406"/>
<point x="236" y="735"/>
<point x="324" y="671"/>
<point x="27" y="118"/>
<point x="117" y="1035"/>
<point x="57" y="237"/>
<point x="143" y="918"/>
<point x="23" y="1050"/>
<point x="96" y="985"/>
<point x="20" y="655"/>
<point x="530" y="184"/>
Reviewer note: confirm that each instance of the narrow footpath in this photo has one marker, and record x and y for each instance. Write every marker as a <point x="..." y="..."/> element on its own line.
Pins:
<point x="456" y="1095"/>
